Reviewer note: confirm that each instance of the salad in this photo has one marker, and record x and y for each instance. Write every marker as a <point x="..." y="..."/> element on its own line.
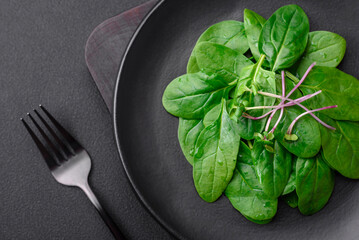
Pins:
<point x="264" y="114"/>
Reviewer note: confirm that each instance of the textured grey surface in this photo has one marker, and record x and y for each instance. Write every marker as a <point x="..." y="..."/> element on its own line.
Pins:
<point x="106" y="45"/>
<point x="42" y="61"/>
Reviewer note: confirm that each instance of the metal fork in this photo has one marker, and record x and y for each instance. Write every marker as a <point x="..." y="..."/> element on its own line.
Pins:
<point x="68" y="161"/>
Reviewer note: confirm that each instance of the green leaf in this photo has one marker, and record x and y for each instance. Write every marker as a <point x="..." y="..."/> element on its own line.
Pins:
<point x="270" y="136"/>
<point x="291" y="137"/>
<point x="192" y="95"/>
<point x="338" y="88"/>
<point x="291" y="199"/>
<point x="341" y="146"/>
<point x="192" y="66"/>
<point x="188" y="132"/>
<point x="307" y="130"/>
<point x="212" y="58"/>
<point x="325" y="48"/>
<point x="258" y="221"/>
<point x="315" y="183"/>
<point x="290" y="187"/>
<point x="245" y="192"/>
<point x="269" y="148"/>
<point x="273" y="168"/>
<point x="227" y="33"/>
<point x="254" y="76"/>
<point x="253" y="24"/>
<point x="212" y="115"/>
<point x="284" y="37"/>
<point x="215" y="156"/>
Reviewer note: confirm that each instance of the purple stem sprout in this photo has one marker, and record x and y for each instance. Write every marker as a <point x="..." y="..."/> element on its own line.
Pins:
<point x="300" y="105"/>
<point x="305" y="113"/>
<point x="302" y="80"/>
<point x="301" y="99"/>
<point x="256" y="118"/>
<point x="292" y="102"/>
<point x="281" y="103"/>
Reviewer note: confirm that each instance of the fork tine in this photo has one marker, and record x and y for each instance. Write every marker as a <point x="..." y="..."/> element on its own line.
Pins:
<point x="45" y="154"/>
<point x="47" y="139"/>
<point x="71" y="141"/>
<point x="65" y="149"/>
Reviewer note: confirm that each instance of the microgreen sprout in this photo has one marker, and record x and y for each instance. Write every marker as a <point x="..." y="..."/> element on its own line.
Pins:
<point x="269" y="148"/>
<point x="291" y="102"/>
<point x="281" y="109"/>
<point x="305" y="113"/>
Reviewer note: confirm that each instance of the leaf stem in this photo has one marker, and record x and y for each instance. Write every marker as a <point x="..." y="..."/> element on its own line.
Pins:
<point x="291" y="77"/>
<point x="250" y="145"/>
<point x="259" y="65"/>
<point x="256" y="118"/>
<point x="261" y="60"/>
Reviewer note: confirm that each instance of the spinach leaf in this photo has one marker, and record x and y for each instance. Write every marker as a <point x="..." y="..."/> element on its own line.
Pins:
<point x="273" y="169"/>
<point x="212" y="58"/>
<point x="325" y="48"/>
<point x="338" y="88"/>
<point x="290" y="187"/>
<point x="341" y="147"/>
<point x="284" y="37"/>
<point x="254" y="76"/>
<point x="192" y="95"/>
<point x="212" y="115"/>
<point x="192" y="66"/>
<point x="315" y="183"/>
<point x="227" y="33"/>
<point x="253" y="24"/>
<point x="188" y="132"/>
<point x="245" y="192"/>
<point x="215" y="156"/>
<point x="291" y="199"/>
<point x="307" y="130"/>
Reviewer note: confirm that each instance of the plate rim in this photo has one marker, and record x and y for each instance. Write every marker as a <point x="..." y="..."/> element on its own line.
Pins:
<point x="137" y="192"/>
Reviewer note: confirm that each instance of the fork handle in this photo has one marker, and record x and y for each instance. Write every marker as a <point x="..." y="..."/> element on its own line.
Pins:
<point x="106" y="218"/>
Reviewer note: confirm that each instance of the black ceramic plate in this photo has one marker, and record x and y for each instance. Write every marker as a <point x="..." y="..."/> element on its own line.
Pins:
<point x="147" y="134"/>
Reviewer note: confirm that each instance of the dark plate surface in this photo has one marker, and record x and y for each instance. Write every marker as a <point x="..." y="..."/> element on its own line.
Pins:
<point x="147" y="134"/>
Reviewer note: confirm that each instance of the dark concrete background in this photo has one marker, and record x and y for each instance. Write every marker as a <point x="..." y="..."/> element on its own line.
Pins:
<point x="42" y="61"/>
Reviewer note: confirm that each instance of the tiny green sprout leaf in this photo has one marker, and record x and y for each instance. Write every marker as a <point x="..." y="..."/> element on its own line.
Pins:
<point x="269" y="148"/>
<point x="291" y="137"/>
<point x="263" y="140"/>
<point x="258" y="136"/>
<point x="267" y="142"/>
<point x="269" y="136"/>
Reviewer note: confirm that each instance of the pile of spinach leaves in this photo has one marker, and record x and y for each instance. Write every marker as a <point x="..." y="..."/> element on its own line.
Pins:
<point x="231" y="62"/>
